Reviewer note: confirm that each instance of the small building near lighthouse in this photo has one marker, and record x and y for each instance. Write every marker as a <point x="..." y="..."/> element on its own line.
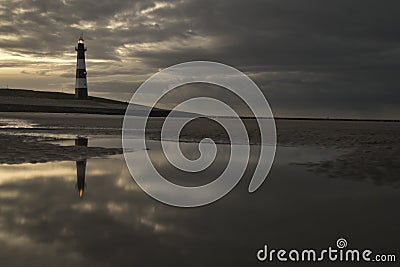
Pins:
<point x="81" y="90"/>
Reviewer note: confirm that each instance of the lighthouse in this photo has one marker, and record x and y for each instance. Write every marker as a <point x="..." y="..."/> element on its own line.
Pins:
<point x="81" y="91"/>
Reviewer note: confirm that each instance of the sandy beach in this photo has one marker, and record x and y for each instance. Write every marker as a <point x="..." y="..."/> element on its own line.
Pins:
<point x="367" y="149"/>
<point x="327" y="180"/>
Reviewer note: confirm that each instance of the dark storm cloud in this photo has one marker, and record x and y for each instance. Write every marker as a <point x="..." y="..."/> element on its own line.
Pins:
<point x="336" y="58"/>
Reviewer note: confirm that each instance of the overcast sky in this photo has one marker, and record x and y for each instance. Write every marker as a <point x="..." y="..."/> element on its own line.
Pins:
<point x="311" y="58"/>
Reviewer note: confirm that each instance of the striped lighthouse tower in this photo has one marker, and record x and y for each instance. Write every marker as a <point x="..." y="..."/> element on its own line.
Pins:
<point x="81" y="91"/>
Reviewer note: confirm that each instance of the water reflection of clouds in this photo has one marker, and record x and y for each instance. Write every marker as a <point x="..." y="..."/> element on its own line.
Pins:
<point x="44" y="223"/>
<point x="45" y="216"/>
<point x="28" y="171"/>
<point x="61" y="170"/>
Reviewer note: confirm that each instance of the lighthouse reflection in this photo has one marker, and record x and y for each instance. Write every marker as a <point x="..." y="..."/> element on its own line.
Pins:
<point x="81" y="168"/>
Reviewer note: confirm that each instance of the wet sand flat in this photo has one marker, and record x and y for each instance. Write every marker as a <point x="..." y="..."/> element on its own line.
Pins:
<point x="368" y="150"/>
<point x="47" y="158"/>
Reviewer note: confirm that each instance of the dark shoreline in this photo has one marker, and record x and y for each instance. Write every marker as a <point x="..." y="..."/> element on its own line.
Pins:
<point x="154" y="113"/>
<point x="24" y="102"/>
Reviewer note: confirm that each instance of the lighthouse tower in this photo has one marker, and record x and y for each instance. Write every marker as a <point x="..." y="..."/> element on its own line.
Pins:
<point x="81" y="91"/>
